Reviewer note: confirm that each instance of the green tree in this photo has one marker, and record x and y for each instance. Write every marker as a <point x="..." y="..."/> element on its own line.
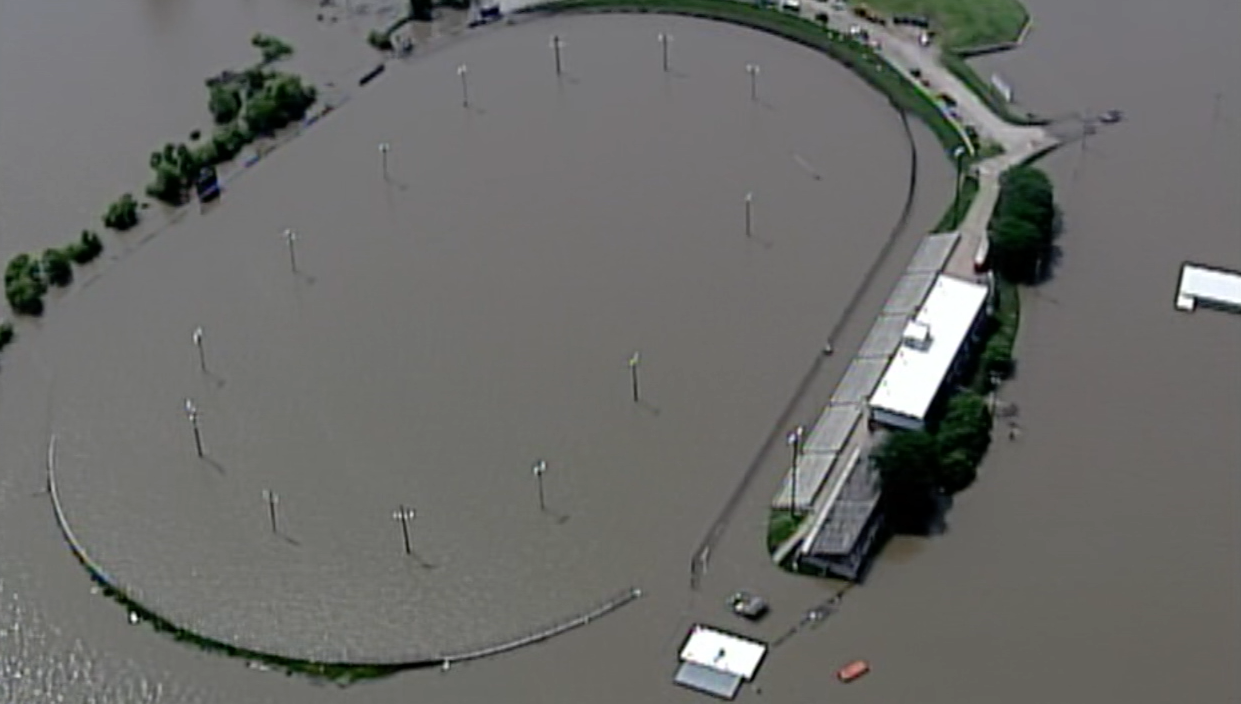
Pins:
<point x="86" y="249"/>
<point x="122" y="214"/>
<point x="24" y="285"/>
<point x="420" y="10"/>
<point x="908" y="464"/>
<point x="272" y="48"/>
<point x="224" y="103"/>
<point x="956" y="471"/>
<point x="963" y="437"/>
<point x="1017" y="249"/>
<point x="6" y="333"/>
<point x="57" y="267"/>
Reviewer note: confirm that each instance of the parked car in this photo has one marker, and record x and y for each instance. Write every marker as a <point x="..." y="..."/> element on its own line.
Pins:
<point x="791" y="5"/>
<point x="748" y="606"/>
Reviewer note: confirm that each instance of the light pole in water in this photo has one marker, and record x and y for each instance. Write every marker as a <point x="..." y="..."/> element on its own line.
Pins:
<point x="749" y="214"/>
<point x="958" y="156"/>
<point x="557" y="45"/>
<point x="794" y="440"/>
<point x="191" y="412"/>
<point x="270" y="497"/>
<point x="404" y="515"/>
<point x="752" y="69"/>
<point x="462" y="71"/>
<point x="198" y="342"/>
<point x="664" y="41"/>
<point x="540" y="468"/>
<point x="383" y="158"/>
<point x="291" y="237"/>
<point x="634" y="361"/>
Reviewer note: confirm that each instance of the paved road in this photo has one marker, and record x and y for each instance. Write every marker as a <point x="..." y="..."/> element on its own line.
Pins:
<point x="1019" y="142"/>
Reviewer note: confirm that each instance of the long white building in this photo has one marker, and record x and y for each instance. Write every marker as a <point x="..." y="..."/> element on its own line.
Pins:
<point x="935" y="343"/>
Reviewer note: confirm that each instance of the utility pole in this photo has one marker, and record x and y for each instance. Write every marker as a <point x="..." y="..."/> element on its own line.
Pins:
<point x="191" y="412"/>
<point x="198" y="342"/>
<point x="634" y="361"/>
<point x="752" y="69"/>
<point x="794" y="440"/>
<point x="557" y="44"/>
<point x="270" y="497"/>
<point x="404" y="515"/>
<point x="664" y="41"/>
<point x="540" y="468"/>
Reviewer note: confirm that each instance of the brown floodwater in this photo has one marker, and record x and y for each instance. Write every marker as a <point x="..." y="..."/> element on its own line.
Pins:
<point x="1095" y="560"/>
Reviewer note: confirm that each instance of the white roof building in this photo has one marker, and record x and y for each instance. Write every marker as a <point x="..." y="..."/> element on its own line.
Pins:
<point x="929" y="350"/>
<point x="1214" y="288"/>
<point x="716" y="662"/>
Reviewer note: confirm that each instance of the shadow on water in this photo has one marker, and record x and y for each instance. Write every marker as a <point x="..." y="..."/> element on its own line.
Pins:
<point x="210" y="461"/>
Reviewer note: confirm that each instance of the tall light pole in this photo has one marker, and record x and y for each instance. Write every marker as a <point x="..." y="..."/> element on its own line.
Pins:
<point x="383" y="158"/>
<point x="291" y="237"/>
<point x="462" y="71"/>
<point x="752" y="69"/>
<point x="557" y="45"/>
<point x="794" y="440"/>
<point x="540" y="468"/>
<point x="749" y="214"/>
<point x="404" y="515"/>
<point x="191" y="412"/>
<point x="958" y="156"/>
<point x="270" y="497"/>
<point x="664" y="41"/>
<point x="198" y="342"/>
<point x="634" y="361"/>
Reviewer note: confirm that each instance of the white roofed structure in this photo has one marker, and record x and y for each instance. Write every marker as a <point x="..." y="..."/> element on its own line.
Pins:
<point x="1214" y="288"/>
<point x="717" y="663"/>
<point x="929" y="351"/>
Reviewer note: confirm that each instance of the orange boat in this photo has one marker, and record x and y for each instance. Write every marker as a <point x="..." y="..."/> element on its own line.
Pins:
<point x="853" y="670"/>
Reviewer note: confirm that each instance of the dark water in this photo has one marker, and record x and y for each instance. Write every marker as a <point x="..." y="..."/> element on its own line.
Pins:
<point x="1096" y="560"/>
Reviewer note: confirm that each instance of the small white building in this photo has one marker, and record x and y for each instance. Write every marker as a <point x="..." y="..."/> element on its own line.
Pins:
<point x="933" y="347"/>
<point x="716" y="663"/>
<point x="1213" y="288"/>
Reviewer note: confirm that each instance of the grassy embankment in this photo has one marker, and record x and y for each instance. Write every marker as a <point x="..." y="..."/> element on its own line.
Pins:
<point x="967" y="26"/>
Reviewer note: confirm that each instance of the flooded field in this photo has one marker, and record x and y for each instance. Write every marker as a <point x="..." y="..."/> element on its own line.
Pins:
<point x="1094" y="552"/>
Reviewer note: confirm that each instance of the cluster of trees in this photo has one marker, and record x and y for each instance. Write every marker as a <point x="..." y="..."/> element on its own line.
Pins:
<point x="916" y="467"/>
<point x="272" y="48"/>
<point x="244" y="105"/>
<point x="420" y="10"/>
<point x="1023" y="226"/>
<point x="27" y="278"/>
<point x="121" y="214"/>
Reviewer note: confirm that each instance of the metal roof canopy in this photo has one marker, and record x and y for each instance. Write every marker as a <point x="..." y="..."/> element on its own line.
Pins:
<point x="708" y="681"/>
<point x="884" y="337"/>
<point x="832" y="428"/>
<point x="933" y="252"/>
<point x="910" y="290"/>
<point x="1212" y="287"/>
<point x="859" y="381"/>
<point x="716" y="662"/>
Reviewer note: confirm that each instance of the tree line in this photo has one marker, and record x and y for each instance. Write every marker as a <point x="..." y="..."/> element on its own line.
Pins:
<point x="916" y="468"/>
<point x="244" y="105"/>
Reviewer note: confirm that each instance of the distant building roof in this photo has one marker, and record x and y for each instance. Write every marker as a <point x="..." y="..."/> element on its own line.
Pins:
<point x="932" y="341"/>
<point x="1212" y="287"/>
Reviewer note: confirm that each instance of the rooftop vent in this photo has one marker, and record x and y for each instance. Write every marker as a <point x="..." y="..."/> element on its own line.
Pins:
<point x="917" y="336"/>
